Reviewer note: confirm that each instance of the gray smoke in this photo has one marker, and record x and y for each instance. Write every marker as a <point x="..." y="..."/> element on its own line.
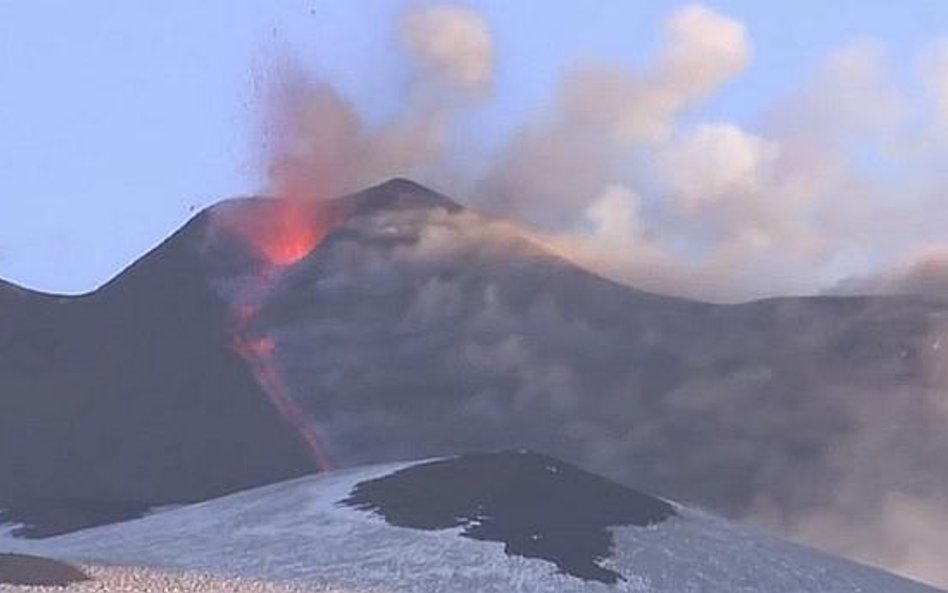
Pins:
<point x="418" y="332"/>
<point x="836" y="180"/>
<point x="824" y="420"/>
<point x="321" y="147"/>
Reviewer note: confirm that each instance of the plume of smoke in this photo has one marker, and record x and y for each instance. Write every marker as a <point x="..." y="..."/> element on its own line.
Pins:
<point x="315" y="140"/>
<point x="838" y="178"/>
<point x="702" y="50"/>
<point x="553" y="169"/>
<point x="322" y="147"/>
<point x="452" y="44"/>
<point x="721" y="212"/>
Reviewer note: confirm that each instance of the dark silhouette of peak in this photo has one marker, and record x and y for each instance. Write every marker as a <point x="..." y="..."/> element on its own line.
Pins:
<point x="398" y="194"/>
<point x="9" y="288"/>
<point x="11" y="294"/>
<point x="392" y="195"/>
<point x="131" y="396"/>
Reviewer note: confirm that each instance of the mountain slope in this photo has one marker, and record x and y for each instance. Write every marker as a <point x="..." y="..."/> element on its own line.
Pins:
<point x="467" y="524"/>
<point x="398" y="325"/>
<point x="423" y="331"/>
<point x="132" y="395"/>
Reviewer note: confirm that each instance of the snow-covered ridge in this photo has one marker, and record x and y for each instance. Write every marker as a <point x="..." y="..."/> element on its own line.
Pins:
<point x="312" y="530"/>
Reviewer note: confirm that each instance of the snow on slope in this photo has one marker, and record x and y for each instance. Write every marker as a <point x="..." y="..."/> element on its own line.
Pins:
<point x="335" y="529"/>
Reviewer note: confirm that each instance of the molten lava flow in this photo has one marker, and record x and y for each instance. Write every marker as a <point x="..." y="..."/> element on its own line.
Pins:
<point x="258" y="352"/>
<point x="282" y="233"/>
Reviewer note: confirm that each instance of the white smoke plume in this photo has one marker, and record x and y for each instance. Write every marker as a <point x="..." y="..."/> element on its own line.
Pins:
<point x="452" y="44"/>
<point x="321" y="147"/>
<point x="836" y="181"/>
<point x="702" y="51"/>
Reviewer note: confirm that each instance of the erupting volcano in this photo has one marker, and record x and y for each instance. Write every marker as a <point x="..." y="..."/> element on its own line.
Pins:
<point x="288" y="232"/>
<point x="420" y="330"/>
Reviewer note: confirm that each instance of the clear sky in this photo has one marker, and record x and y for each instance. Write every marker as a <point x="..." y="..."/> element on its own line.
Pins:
<point x="118" y="119"/>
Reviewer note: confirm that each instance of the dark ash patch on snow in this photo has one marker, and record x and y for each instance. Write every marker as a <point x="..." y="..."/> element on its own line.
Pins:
<point x="17" y="569"/>
<point x="40" y="518"/>
<point x="538" y="506"/>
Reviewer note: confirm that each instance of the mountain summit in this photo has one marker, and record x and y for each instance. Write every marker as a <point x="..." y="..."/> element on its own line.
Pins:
<point x="266" y="340"/>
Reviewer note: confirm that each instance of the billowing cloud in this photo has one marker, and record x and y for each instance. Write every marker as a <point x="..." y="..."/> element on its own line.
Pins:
<point x="834" y="182"/>
<point x="319" y="144"/>
<point x="839" y="179"/>
<point x="452" y="44"/>
<point x="314" y="135"/>
<point x="702" y="50"/>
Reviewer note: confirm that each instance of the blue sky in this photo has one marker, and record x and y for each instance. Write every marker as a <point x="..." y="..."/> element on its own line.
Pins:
<point x="118" y="119"/>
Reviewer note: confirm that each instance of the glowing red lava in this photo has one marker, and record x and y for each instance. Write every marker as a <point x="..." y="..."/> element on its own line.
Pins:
<point x="258" y="352"/>
<point x="282" y="232"/>
<point x="285" y="231"/>
<point x="290" y="237"/>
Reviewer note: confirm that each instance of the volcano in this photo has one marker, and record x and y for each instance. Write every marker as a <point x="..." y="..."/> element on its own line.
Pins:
<point x="131" y="395"/>
<point x="265" y="341"/>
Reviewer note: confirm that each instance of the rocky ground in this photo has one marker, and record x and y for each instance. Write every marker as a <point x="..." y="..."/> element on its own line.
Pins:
<point x="139" y="580"/>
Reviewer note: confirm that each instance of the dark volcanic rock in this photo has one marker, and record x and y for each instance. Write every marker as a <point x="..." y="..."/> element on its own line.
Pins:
<point x="39" y="518"/>
<point x="538" y="506"/>
<point x="18" y="569"/>
<point x="132" y="396"/>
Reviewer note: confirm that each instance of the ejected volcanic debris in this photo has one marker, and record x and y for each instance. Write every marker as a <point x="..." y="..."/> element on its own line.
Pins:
<point x="538" y="506"/>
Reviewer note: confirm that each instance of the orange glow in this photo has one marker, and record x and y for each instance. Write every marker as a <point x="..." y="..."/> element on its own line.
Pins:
<point x="282" y="232"/>
<point x="258" y="353"/>
<point x="291" y="237"/>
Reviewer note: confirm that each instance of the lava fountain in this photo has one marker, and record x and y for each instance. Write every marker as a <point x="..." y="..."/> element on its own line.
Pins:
<point x="287" y="232"/>
<point x="280" y="233"/>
